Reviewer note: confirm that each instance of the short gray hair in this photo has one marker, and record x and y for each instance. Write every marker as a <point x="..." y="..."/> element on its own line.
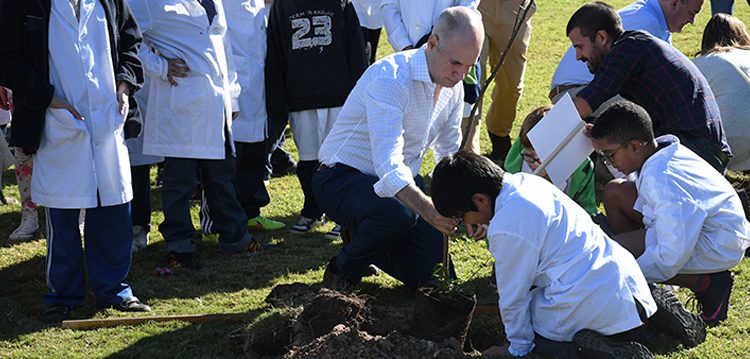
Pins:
<point x="457" y="20"/>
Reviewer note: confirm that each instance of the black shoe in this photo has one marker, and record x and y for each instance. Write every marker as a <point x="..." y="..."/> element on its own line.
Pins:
<point x="132" y="304"/>
<point x="55" y="313"/>
<point x="672" y="319"/>
<point x="333" y="280"/>
<point x="290" y="169"/>
<point x="714" y="301"/>
<point x="500" y="147"/>
<point x="591" y="344"/>
<point x="183" y="260"/>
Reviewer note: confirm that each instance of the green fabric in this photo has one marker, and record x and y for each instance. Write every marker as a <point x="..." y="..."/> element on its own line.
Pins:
<point x="580" y="186"/>
<point x="471" y="77"/>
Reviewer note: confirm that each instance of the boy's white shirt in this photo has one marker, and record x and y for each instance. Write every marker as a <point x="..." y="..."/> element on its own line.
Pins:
<point x="584" y="280"/>
<point x="694" y="219"/>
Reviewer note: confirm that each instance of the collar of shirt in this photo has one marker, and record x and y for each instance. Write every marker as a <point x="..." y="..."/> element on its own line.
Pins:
<point x="659" y="12"/>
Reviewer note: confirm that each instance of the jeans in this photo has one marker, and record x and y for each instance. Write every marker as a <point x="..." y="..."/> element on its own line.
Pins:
<point x="141" y="203"/>
<point x="108" y="236"/>
<point x="216" y="178"/>
<point x="723" y="6"/>
<point x="387" y="233"/>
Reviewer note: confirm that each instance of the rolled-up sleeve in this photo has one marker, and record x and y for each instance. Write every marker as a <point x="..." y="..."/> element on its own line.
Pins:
<point x="386" y="100"/>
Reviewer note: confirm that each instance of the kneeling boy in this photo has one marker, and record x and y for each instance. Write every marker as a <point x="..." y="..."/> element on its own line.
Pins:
<point x="565" y="288"/>
<point x="681" y="219"/>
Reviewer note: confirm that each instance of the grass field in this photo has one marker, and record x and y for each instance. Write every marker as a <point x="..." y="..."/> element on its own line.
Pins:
<point x="239" y="283"/>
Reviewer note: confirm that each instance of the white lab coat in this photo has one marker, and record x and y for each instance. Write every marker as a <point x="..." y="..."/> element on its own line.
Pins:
<point x="407" y="21"/>
<point x="247" y="21"/>
<point x="188" y="120"/>
<point x="369" y="13"/>
<point x="77" y="159"/>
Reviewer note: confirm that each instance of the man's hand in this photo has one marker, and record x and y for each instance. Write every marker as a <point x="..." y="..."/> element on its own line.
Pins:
<point x="497" y="352"/>
<point x="176" y="68"/>
<point x="415" y="199"/>
<point x="60" y="103"/>
<point x="587" y="130"/>
<point x="123" y="89"/>
<point x="477" y="232"/>
<point x="6" y="99"/>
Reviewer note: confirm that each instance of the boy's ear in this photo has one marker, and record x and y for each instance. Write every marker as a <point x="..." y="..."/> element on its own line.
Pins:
<point x="480" y="199"/>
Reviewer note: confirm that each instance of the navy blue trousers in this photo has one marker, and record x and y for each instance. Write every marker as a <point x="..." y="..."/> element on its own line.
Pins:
<point x="387" y="233"/>
<point x="108" y="240"/>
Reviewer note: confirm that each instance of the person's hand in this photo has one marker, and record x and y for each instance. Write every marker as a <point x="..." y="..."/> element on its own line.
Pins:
<point x="123" y="89"/>
<point x="176" y="68"/>
<point x="62" y="104"/>
<point x="6" y="99"/>
<point x="478" y="232"/>
<point x="445" y="225"/>
<point x="497" y="351"/>
<point x="235" y="114"/>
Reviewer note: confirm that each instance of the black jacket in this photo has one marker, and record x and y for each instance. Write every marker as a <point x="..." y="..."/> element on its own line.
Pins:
<point x="315" y="56"/>
<point x="24" y="61"/>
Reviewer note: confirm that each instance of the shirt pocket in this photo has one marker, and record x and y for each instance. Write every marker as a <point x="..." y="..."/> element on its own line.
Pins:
<point x="192" y="97"/>
<point x="61" y="127"/>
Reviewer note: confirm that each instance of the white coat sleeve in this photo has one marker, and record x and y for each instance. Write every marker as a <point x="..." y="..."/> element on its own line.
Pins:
<point x="516" y="261"/>
<point x="153" y="64"/>
<point x="234" y="84"/>
<point x="672" y="233"/>
<point x="398" y="35"/>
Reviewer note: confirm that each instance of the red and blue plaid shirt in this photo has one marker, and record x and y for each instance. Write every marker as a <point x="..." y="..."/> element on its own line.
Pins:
<point x="659" y="78"/>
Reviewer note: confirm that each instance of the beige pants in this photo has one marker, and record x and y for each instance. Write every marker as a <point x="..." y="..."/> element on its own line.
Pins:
<point x="498" y="17"/>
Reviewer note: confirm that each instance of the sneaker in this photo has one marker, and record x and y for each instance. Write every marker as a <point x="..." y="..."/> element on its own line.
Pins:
<point x="714" y="301"/>
<point x="132" y="304"/>
<point x="140" y="238"/>
<point x="305" y="224"/>
<point x="591" y="344"/>
<point x="333" y="280"/>
<point x="261" y="223"/>
<point x="256" y="245"/>
<point x="183" y="260"/>
<point x="28" y="227"/>
<point x="672" y="319"/>
<point x="209" y="237"/>
<point x="334" y="233"/>
<point x="55" y="313"/>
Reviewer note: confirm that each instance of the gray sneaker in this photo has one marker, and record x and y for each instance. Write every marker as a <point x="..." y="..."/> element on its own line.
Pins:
<point x="140" y="238"/>
<point x="305" y="224"/>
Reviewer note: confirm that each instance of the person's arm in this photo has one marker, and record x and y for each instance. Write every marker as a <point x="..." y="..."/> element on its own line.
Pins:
<point x="614" y="71"/>
<point x="674" y="224"/>
<point x="129" y="69"/>
<point x="417" y="201"/>
<point x="398" y="35"/>
<point x="30" y="89"/>
<point x="516" y="261"/>
<point x="275" y="73"/>
<point x="355" y="45"/>
<point x="234" y="86"/>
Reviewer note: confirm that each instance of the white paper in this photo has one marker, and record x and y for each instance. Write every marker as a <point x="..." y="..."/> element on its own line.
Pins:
<point x="551" y="131"/>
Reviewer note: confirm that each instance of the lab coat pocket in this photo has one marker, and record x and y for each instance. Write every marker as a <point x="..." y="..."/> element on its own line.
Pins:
<point x="192" y="97"/>
<point x="61" y="127"/>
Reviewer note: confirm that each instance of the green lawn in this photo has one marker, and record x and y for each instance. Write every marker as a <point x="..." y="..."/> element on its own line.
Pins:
<point x="239" y="283"/>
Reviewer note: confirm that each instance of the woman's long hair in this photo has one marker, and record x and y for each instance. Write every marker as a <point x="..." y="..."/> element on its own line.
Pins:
<point x="723" y="33"/>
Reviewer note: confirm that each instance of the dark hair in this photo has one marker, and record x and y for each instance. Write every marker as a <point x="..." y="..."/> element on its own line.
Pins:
<point x="529" y="122"/>
<point x="724" y="32"/>
<point x="594" y="17"/>
<point x="623" y="122"/>
<point x="458" y="177"/>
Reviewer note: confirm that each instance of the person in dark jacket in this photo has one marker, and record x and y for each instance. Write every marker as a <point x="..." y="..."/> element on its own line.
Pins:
<point x="72" y="66"/>
<point x="315" y="56"/>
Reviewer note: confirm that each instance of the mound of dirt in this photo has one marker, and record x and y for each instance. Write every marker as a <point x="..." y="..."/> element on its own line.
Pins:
<point x="291" y="295"/>
<point x="326" y="310"/>
<point x="344" y="343"/>
<point x="271" y="333"/>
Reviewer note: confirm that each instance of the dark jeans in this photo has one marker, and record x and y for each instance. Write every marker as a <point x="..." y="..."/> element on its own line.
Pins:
<point x="305" y="172"/>
<point x="569" y="350"/>
<point x="723" y="6"/>
<point x="387" y="233"/>
<point x="251" y="191"/>
<point x="141" y="203"/>
<point x="216" y="179"/>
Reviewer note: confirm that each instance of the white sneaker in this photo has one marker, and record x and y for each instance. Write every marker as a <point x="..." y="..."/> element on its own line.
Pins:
<point x="334" y="233"/>
<point x="140" y="238"/>
<point x="28" y="227"/>
<point x="305" y="224"/>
